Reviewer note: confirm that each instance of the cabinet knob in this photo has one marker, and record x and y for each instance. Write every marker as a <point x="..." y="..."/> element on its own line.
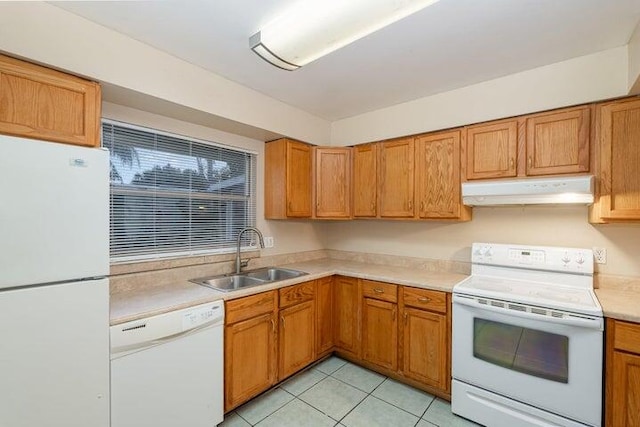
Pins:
<point x="421" y="206"/>
<point x="410" y="204"/>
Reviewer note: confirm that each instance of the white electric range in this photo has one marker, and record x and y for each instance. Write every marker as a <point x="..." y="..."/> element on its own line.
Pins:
<point x="528" y="338"/>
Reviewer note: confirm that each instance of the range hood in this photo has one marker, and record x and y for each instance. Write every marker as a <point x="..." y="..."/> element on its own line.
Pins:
<point x="556" y="190"/>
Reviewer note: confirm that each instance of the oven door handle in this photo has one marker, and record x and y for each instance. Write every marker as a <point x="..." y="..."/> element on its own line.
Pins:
<point x="583" y="322"/>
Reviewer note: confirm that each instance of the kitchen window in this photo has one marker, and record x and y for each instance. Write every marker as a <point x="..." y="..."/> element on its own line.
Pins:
<point x="175" y="196"/>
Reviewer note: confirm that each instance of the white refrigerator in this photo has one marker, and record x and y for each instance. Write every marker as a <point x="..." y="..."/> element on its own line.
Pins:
<point x="54" y="294"/>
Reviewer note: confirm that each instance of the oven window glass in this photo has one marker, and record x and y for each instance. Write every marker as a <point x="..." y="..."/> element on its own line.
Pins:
<point x="525" y="350"/>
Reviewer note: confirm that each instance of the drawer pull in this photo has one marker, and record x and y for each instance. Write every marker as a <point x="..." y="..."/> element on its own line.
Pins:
<point x="378" y="291"/>
<point x="424" y="299"/>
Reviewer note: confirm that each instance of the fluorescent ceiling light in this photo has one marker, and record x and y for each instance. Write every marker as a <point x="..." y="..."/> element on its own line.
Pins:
<point x="313" y="28"/>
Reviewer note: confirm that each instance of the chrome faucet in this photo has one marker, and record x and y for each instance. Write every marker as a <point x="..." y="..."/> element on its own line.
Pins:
<point x="244" y="262"/>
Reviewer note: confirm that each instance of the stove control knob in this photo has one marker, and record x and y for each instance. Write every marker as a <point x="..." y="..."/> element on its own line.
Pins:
<point x="488" y="251"/>
<point x="580" y="258"/>
<point x="566" y="258"/>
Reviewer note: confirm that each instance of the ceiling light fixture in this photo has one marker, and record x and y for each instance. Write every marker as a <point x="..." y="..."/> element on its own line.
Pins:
<point x="312" y="29"/>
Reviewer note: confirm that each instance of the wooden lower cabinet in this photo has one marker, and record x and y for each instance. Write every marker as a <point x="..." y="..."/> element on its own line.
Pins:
<point x="424" y="347"/>
<point x="296" y="338"/>
<point x="402" y="332"/>
<point x="250" y="359"/>
<point x="346" y="298"/>
<point x="380" y="333"/>
<point x="324" y="316"/>
<point x="622" y="376"/>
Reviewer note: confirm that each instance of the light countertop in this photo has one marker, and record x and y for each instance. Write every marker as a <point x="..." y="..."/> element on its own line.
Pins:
<point x="149" y="301"/>
<point x="621" y="304"/>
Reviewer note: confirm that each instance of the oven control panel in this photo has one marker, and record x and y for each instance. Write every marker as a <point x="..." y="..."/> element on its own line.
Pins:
<point x="533" y="257"/>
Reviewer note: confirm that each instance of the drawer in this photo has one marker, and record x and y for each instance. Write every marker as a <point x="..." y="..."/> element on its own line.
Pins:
<point x="296" y="294"/>
<point x="380" y="290"/>
<point x="627" y="337"/>
<point x="251" y="306"/>
<point x="425" y="299"/>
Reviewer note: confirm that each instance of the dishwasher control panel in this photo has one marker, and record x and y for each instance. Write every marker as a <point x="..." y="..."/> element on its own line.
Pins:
<point x="155" y="330"/>
<point x="202" y="314"/>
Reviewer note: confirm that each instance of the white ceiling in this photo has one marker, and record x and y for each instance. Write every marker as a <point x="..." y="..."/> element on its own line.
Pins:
<point x="451" y="44"/>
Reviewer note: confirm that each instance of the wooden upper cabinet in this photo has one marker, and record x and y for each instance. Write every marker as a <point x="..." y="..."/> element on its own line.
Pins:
<point x="365" y="180"/>
<point x="491" y="150"/>
<point x="287" y="179"/>
<point x="618" y="178"/>
<point x="438" y="176"/>
<point x="558" y="142"/>
<point x="332" y="182"/>
<point x="396" y="178"/>
<point x="40" y="103"/>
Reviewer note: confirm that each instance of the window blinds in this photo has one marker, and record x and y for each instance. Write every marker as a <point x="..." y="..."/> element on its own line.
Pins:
<point x="172" y="195"/>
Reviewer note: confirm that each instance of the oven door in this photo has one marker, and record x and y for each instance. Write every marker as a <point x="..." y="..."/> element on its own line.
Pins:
<point x="550" y="362"/>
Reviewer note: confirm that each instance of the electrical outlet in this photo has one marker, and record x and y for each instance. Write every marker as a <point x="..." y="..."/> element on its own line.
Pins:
<point x="600" y="255"/>
<point x="268" y="242"/>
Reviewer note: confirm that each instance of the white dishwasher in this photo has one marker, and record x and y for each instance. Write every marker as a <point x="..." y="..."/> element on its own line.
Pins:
<point x="167" y="370"/>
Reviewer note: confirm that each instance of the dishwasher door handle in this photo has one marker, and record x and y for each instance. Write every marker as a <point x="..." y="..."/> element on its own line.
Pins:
<point x="117" y="352"/>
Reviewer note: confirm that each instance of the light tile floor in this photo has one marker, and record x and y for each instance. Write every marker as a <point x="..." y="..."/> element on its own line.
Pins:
<point x="338" y="393"/>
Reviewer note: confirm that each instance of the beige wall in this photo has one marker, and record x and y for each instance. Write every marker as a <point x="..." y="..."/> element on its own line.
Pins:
<point x="44" y="33"/>
<point x="552" y="226"/>
<point x="289" y="236"/>
<point x="634" y="61"/>
<point x="580" y="80"/>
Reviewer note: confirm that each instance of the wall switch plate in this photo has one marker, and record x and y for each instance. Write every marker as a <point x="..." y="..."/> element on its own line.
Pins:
<point x="600" y="255"/>
<point x="268" y="242"/>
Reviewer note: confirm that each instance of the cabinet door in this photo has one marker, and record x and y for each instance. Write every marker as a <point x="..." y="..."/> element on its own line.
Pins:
<point x="249" y="359"/>
<point x="380" y="333"/>
<point x="346" y="314"/>
<point x="438" y="176"/>
<point x="298" y="180"/>
<point x="619" y="175"/>
<point x="365" y="180"/>
<point x="491" y="150"/>
<point x="558" y="142"/>
<point x="395" y="179"/>
<point x="37" y="102"/>
<point x="425" y="347"/>
<point x="623" y="406"/>
<point x="297" y="338"/>
<point x="333" y="182"/>
<point x="324" y="316"/>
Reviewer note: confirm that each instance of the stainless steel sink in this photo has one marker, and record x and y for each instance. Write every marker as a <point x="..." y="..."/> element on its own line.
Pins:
<point x="247" y="279"/>
<point x="229" y="282"/>
<point x="274" y="274"/>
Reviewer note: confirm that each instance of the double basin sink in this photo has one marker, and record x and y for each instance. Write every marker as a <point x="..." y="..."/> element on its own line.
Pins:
<point x="232" y="282"/>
